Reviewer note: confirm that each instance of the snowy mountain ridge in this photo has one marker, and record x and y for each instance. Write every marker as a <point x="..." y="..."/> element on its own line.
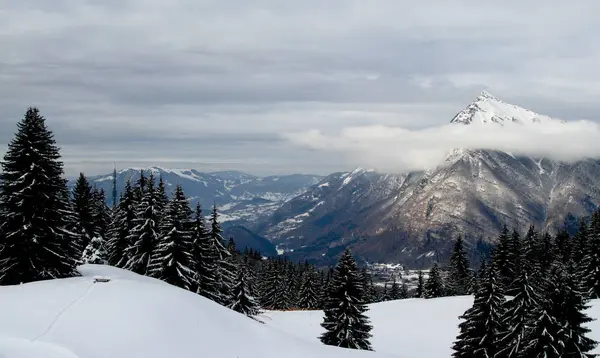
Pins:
<point x="489" y="109"/>
<point x="413" y="218"/>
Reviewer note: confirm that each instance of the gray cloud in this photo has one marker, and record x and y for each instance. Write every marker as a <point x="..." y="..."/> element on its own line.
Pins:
<point x="215" y="84"/>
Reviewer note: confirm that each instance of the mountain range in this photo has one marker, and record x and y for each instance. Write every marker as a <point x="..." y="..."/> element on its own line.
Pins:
<point x="409" y="218"/>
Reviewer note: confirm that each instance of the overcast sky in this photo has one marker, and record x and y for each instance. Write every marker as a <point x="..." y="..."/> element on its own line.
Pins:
<point x="218" y="84"/>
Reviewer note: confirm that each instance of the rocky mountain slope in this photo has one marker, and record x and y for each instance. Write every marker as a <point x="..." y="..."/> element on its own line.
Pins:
<point x="413" y="217"/>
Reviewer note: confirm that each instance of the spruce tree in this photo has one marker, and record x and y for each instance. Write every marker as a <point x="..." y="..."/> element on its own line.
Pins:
<point x="307" y="297"/>
<point x="395" y="290"/>
<point x="144" y="236"/>
<point x="580" y="241"/>
<point x="570" y="304"/>
<point x="120" y="228"/>
<point x="34" y="243"/>
<point x="345" y="323"/>
<point x="420" y="292"/>
<point x="482" y="325"/>
<point x="592" y="258"/>
<point x="172" y="261"/>
<point x="83" y="206"/>
<point x="503" y="257"/>
<point x="404" y="291"/>
<point x="243" y="298"/>
<point x="162" y="199"/>
<point x="518" y="317"/>
<point x="225" y="269"/>
<point x="370" y="292"/>
<point x="114" y="189"/>
<point x="546" y="337"/>
<point x="459" y="273"/>
<point x="270" y="286"/>
<point x="95" y="253"/>
<point x="564" y="247"/>
<point x="204" y="258"/>
<point x="434" y="287"/>
<point x="100" y="213"/>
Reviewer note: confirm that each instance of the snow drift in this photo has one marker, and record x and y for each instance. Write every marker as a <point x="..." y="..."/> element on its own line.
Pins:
<point x="133" y="316"/>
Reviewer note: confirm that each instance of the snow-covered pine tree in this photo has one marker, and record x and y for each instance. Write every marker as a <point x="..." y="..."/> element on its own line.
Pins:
<point x="420" y="292"/>
<point x="592" y="257"/>
<point x="172" y="261"/>
<point x="307" y="297"/>
<point x="204" y="258"/>
<point x="563" y="246"/>
<point x="162" y="199"/>
<point x="100" y="213"/>
<point x="395" y="290"/>
<point x="95" y="253"/>
<point x="269" y="285"/>
<point x="225" y="269"/>
<point x="482" y="325"/>
<point x="404" y="291"/>
<point x="530" y="258"/>
<point x="345" y="323"/>
<point x="546" y="337"/>
<point x="34" y="243"/>
<point x="434" y="286"/>
<point x="114" y="193"/>
<point x="83" y="206"/>
<point x="145" y="234"/>
<point x="503" y="257"/>
<point x="518" y="316"/>
<point x="121" y="226"/>
<point x="140" y="187"/>
<point x="243" y="298"/>
<point x="385" y="293"/>
<point x="546" y="252"/>
<point x="459" y="273"/>
<point x="569" y="304"/>
<point x="370" y="292"/>
<point x="580" y="241"/>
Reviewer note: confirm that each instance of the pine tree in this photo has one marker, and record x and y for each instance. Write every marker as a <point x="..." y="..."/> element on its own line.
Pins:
<point x="121" y="227"/>
<point x="434" y="287"/>
<point x="592" y="258"/>
<point x="370" y="292"/>
<point x="420" y="292"/>
<point x="243" y="299"/>
<point x="404" y="291"/>
<point x="459" y="274"/>
<point x="100" y="213"/>
<point x="307" y="297"/>
<point x="395" y="290"/>
<point x="518" y="317"/>
<point x="345" y="324"/>
<point x="516" y="257"/>
<point x="162" y="199"/>
<point x="580" y="241"/>
<point x="563" y="245"/>
<point x="144" y="236"/>
<point x="82" y="205"/>
<point x="503" y="257"/>
<point x="270" y="286"/>
<point x="570" y="304"/>
<point x="34" y="243"/>
<point x="95" y="252"/>
<point x="225" y="269"/>
<point x="546" y="337"/>
<point x="482" y="325"/>
<point x="204" y="258"/>
<point x="172" y="261"/>
<point x="114" y="189"/>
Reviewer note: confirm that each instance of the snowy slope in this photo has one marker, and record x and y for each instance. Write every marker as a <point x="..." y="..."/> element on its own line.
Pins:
<point x="410" y="328"/>
<point x="136" y="317"/>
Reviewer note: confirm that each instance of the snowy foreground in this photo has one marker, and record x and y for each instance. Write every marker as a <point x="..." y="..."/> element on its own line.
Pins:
<point x="134" y="316"/>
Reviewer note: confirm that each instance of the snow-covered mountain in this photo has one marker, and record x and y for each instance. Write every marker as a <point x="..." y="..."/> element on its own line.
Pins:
<point x="241" y="197"/>
<point x="414" y="217"/>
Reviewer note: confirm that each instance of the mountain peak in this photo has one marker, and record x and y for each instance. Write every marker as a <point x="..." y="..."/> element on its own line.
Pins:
<point x="490" y="109"/>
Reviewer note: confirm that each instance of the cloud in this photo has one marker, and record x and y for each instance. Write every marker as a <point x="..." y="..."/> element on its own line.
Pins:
<point x="126" y="79"/>
<point x="398" y="150"/>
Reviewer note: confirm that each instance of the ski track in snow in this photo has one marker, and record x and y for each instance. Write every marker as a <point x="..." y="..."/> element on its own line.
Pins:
<point x="62" y="312"/>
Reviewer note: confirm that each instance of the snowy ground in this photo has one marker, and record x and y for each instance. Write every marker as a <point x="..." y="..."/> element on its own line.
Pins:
<point x="404" y="328"/>
<point x="133" y="316"/>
